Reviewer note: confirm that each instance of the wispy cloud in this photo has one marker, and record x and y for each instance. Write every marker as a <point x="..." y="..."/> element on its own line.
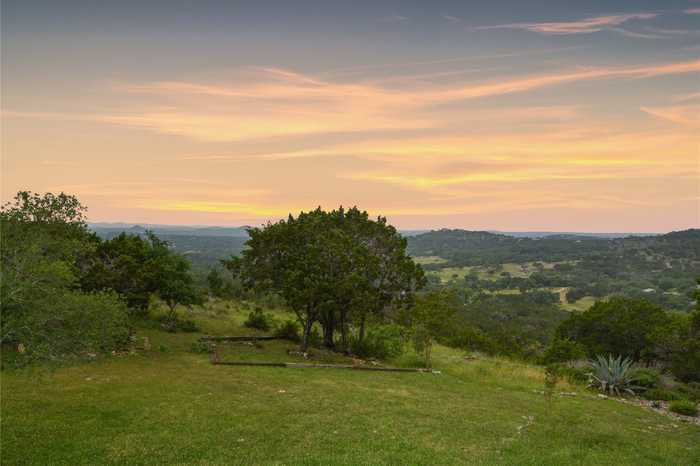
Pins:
<point x="636" y="35"/>
<point x="686" y="97"/>
<point x="672" y="32"/>
<point x="692" y="11"/>
<point x="283" y="103"/>
<point x="451" y="19"/>
<point x="395" y="19"/>
<point x="687" y="115"/>
<point x="583" y="26"/>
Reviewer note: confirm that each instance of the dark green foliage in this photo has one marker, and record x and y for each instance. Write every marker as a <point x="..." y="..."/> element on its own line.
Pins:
<point x="661" y="394"/>
<point x="480" y="247"/>
<point x="334" y="268"/>
<point x="599" y="267"/>
<point x="513" y="324"/>
<point x="575" y="294"/>
<point x="474" y="339"/>
<point x="641" y="330"/>
<point x="64" y="322"/>
<point x="619" y="326"/>
<point x="381" y="342"/>
<point x="432" y="317"/>
<point x="204" y="247"/>
<point x="118" y="264"/>
<point x="563" y="350"/>
<point x="289" y="330"/>
<point x="45" y="243"/>
<point x="690" y="390"/>
<point x="201" y="347"/>
<point x="137" y="267"/>
<point x="677" y="345"/>
<point x="258" y="320"/>
<point x="173" y="323"/>
<point x="646" y="378"/>
<point x="215" y="282"/>
<point x="575" y="375"/>
<point x="684" y="407"/>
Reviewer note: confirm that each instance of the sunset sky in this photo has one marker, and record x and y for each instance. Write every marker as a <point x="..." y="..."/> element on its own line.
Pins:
<point x="501" y="115"/>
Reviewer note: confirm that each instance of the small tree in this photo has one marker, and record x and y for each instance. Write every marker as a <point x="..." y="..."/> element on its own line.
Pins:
<point x="215" y="282"/>
<point x="170" y="276"/>
<point x="432" y="317"/>
<point x="138" y="267"/>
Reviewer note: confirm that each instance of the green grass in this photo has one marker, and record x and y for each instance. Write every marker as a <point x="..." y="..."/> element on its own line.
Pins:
<point x="483" y="272"/>
<point x="174" y="407"/>
<point x="581" y="305"/>
<point x="427" y="260"/>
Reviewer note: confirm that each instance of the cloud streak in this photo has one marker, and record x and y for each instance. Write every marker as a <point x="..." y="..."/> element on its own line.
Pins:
<point x="583" y="26"/>
<point x="686" y="115"/>
<point x="282" y="103"/>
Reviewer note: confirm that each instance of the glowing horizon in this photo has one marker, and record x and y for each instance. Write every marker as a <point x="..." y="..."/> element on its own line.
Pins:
<point x="551" y="119"/>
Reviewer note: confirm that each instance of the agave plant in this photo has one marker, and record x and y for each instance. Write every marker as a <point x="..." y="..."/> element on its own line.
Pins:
<point x="612" y="375"/>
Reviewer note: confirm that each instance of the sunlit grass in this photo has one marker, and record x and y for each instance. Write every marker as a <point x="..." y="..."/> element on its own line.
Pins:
<point x="171" y="406"/>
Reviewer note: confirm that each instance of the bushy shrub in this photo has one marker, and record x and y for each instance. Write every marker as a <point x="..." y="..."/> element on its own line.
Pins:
<point x="574" y="375"/>
<point x="289" y="330"/>
<point x="257" y="319"/>
<point x="174" y="324"/>
<point x="381" y="342"/>
<point x="646" y="378"/>
<point x="691" y="390"/>
<point x="563" y="350"/>
<point x="661" y="394"/>
<point x="474" y="339"/>
<point x="64" y="323"/>
<point x="200" y="346"/>
<point x="684" y="407"/>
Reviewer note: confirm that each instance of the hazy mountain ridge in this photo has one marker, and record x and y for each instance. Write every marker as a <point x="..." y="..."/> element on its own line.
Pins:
<point x="465" y="247"/>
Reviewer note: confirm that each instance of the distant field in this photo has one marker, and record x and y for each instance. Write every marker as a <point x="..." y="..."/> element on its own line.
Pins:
<point x="582" y="304"/>
<point x="171" y="406"/>
<point x="428" y="260"/>
<point x="483" y="272"/>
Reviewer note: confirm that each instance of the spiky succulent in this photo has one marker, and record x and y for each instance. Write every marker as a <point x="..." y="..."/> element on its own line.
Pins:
<point x="612" y="375"/>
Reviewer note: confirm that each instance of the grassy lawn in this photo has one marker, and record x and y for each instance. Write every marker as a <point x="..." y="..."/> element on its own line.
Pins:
<point x="171" y="406"/>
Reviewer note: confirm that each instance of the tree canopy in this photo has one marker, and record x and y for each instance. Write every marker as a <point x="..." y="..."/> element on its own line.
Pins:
<point x="334" y="268"/>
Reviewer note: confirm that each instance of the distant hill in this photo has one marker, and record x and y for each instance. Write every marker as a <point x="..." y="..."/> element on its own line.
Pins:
<point x="463" y="247"/>
<point x="110" y="229"/>
<point x="570" y="234"/>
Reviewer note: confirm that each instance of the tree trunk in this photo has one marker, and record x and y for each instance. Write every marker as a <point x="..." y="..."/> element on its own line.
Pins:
<point x="328" y="335"/>
<point x="361" y="337"/>
<point x="308" y="324"/>
<point x="343" y="332"/>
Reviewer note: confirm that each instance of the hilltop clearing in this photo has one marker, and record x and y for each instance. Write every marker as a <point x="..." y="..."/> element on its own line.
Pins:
<point x="170" y="405"/>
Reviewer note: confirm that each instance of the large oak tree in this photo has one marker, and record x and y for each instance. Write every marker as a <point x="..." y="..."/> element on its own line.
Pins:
<point x="334" y="268"/>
